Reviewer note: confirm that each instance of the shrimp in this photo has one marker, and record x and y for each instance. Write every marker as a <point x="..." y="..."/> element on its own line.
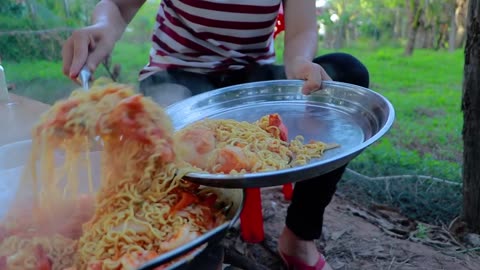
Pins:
<point x="186" y="199"/>
<point x="181" y="237"/>
<point x="231" y="158"/>
<point x="132" y="261"/>
<point x="195" y="146"/>
<point x="92" y="266"/>
<point x="131" y="120"/>
<point x="43" y="262"/>
<point x="74" y="214"/>
<point x="128" y="261"/>
<point x="131" y="225"/>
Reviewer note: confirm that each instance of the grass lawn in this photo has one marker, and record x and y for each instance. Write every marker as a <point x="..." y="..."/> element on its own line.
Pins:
<point x="425" y="90"/>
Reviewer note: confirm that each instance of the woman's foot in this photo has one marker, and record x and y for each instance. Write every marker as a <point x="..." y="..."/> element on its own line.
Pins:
<point x="304" y="251"/>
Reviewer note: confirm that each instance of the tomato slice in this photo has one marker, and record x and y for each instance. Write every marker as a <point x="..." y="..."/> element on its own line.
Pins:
<point x="276" y="121"/>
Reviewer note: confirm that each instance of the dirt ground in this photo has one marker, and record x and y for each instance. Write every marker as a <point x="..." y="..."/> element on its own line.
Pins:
<point x="357" y="237"/>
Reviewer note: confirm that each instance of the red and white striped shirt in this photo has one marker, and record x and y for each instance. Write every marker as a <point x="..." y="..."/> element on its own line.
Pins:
<point x="212" y="35"/>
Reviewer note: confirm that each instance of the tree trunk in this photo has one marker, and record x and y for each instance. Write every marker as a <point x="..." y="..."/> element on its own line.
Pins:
<point x="414" y="14"/>
<point x="341" y="35"/>
<point x="397" y="27"/>
<point x="442" y="36"/>
<point x="66" y="8"/>
<point x="420" y="36"/>
<point x="460" y="19"/>
<point x="429" y="37"/>
<point x="31" y="9"/>
<point x="452" y="35"/>
<point x="471" y="120"/>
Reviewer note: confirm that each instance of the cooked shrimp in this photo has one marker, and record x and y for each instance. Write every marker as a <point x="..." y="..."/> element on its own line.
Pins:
<point x="195" y="146"/>
<point x="93" y="266"/>
<point x="76" y="213"/>
<point x="181" y="237"/>
<point x="132" y="261"/>
<point x="131" y="225"/>
<point x="231" y="158"/>
<point x="186" y="199"/>
<point x="43" y="262"/>
<point x="128" y="119"/>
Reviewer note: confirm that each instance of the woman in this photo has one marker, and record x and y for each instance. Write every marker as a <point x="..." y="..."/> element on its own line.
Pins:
<point x="200" y="45"/>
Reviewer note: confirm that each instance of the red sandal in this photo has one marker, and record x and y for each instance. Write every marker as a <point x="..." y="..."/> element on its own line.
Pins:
<point x="293" y="263"/>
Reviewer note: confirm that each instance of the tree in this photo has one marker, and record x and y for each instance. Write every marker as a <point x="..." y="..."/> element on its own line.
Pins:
<point x="471" y="119"/>
<point x="415" y="11"/>
<point x="460" y="17"/>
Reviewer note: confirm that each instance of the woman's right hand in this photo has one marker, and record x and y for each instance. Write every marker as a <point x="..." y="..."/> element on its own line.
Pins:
<point x="87" y="46"/>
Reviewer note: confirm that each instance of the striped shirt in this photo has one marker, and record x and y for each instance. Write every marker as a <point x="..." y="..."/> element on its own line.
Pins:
<point x="212" y="35"/>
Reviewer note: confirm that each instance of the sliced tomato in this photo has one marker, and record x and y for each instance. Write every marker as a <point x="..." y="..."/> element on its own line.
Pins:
<point x="276" y="121"/>
<point x="210" y="200"/>
<point x="186" y="199"/>
<point x="3" y="262"/>
<point x="95" y="266"/>
<point x="43" y="262"/>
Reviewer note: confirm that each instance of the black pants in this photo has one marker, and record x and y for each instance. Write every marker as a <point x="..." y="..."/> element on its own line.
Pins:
<point x="310" y="197"/>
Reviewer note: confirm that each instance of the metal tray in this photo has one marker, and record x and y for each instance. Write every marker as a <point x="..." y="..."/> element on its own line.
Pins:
<point x="350" y="115"/>
<point x="17" y="155"/>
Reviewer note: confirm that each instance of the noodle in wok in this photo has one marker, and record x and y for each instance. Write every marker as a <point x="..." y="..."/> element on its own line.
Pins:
<point x="142" y="209"/>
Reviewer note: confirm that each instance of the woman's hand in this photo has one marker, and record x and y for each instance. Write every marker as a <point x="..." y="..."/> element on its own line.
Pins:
<point x="313" y="74"/>
<point x="91" y="45"/>
<point x="301" y="41"/>
<point x="87" y="46"/>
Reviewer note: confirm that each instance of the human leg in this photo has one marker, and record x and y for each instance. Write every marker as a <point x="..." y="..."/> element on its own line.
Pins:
<point x="343" y="67"/>
<point x="304" y="219"/>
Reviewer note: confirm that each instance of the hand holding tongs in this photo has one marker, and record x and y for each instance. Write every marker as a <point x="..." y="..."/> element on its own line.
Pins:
<point x="85" y="76"/>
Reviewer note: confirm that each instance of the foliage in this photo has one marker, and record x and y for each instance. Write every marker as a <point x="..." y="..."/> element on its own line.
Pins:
<point x="24" y="46"/>
<point x="19" y="21"/>
<point x="387" y="21"/>
<point x="141" y="27"/>
<point x="11" y="8"/>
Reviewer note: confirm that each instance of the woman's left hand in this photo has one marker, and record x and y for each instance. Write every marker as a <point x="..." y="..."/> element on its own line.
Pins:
<point x="313" y="74"/>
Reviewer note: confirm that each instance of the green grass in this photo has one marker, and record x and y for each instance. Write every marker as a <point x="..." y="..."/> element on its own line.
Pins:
<point x="44" y="81"/>
<point x="425" y="90"/>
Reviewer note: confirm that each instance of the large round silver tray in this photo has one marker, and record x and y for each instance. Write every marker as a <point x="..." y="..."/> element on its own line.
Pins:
<point x="349" y="115"/>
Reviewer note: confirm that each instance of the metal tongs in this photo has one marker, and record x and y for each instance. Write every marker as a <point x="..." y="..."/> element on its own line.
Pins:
<point x="85" y="76"/>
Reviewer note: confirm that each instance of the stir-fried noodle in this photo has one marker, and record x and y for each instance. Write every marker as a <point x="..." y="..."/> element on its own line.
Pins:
<point x="231" y="147"/>
<point x="142" y="208"/>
